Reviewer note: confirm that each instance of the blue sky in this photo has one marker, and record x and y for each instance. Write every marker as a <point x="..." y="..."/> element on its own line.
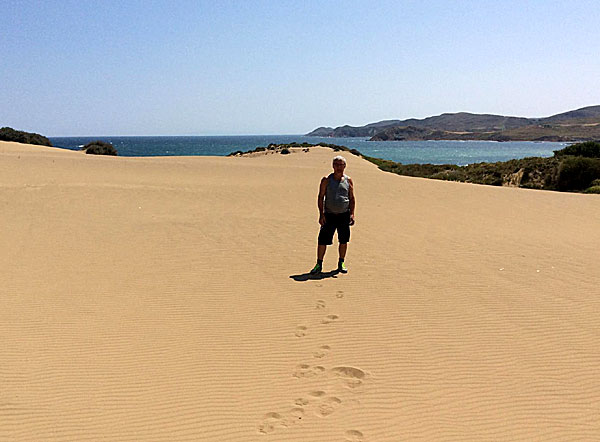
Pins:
<point x="286" y="67"/>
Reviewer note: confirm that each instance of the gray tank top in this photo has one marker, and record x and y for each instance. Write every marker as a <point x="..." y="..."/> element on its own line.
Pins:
<point x="337" y="199"/>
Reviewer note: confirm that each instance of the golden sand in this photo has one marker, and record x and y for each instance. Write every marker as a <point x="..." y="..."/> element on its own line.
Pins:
<point x="162" y="299"/>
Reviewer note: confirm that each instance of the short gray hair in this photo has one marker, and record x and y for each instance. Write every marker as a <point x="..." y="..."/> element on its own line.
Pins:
<point x="339" y="158"/>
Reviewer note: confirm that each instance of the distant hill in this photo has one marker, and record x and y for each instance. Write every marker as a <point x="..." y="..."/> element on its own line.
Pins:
<point x="464" y="121"/>
<point x="583" y="115"/>
<point x="545" y="132"/>
<point x="574" y="125"/>
<point x="351" y="131"/>
<point x="322" y="132"/>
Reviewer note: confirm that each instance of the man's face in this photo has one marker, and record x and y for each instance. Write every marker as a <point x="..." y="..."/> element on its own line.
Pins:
<point x="338" y="166"/>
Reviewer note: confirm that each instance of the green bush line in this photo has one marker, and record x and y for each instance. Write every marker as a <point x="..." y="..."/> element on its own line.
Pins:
<point x="575" y="168"/>
<point x="19" y="136"/>
<point x="95" y="147"/>
<point x="99" y="148"/>
<point x="284" y="148"/>
<point x="589" y="149"/>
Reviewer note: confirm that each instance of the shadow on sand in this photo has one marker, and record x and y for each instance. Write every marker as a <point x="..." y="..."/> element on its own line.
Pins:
<point x="309" y="277"/>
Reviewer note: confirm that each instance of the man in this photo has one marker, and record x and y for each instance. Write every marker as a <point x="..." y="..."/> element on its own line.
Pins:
<point x="336" y="212"/>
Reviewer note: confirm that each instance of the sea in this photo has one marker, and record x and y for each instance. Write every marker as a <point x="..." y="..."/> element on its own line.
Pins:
<point x="406" y="152"/>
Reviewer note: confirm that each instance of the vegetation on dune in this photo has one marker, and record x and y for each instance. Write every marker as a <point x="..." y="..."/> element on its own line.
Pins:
<point x="94" y="148"/>
<point x="589" y="149"/>
<point x="99" y="148"/>
<point x="594" y="187"/>
<point x="575" y="168"/>
<point x="18" y="136"/>
<point x="285" y="148"/>
<point x="577" y="173"/>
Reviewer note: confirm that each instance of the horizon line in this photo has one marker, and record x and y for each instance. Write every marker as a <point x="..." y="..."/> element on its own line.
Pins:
<point x="181" y="135"/>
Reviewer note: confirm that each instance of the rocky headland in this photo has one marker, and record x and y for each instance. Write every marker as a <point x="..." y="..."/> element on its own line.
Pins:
<point x="578" y="125"/>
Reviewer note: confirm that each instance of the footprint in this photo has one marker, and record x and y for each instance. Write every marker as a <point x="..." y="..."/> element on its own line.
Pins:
<point x="322" y="351"/>
<point x="301" y="370"/>
<point x="320" y="304"/>
<point x="349" y="372"/>
<point x="306" y="371"/>
<point x="352" y="383"/>
<point x="329" y="319"/>
<point x="271" y="422"/>
<point x="354" y="436"/>
<point x="301" y="401"/>
<point x="301" y="331"/>
<point x="266" y="428"/>
<point x="317" y="393"/>
<point x="296" y="414"/>
<point x="339" y="294"/>
<point x="351" y="377"/>
<point x="328" y="406"/>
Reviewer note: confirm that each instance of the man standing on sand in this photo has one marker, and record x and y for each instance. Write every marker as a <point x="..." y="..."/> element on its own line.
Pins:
<point x="336" y="212"/>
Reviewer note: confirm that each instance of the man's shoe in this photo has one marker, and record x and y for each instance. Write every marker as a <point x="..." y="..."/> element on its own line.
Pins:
<point x="316" y="269"/>
<point x="342" y="267"/>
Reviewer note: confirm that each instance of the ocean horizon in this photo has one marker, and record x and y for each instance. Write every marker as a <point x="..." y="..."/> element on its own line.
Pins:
<point x="406" y="152"/>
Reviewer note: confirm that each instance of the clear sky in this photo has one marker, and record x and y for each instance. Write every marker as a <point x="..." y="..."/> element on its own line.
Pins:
<point x="133" y="67"/>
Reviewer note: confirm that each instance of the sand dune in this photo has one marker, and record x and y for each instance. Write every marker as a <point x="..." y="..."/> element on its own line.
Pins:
<point x="163" y="299"/>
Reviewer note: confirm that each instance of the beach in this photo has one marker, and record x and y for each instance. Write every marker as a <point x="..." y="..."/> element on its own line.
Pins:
<point x="166" y="299"/>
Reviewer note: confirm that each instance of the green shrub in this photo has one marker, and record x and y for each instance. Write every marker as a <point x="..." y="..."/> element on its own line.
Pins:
<point x="99" y="148"/>
<point x="593" y="189"/>
<point x="274" y="146"/>
<point x="589" y="149"/>
<point x="285" y="151"/>
<point x="10" y="134"/>
<point x="577" y="173"/>
<point x="335" y="147"/>
<point x="450" y="175"/>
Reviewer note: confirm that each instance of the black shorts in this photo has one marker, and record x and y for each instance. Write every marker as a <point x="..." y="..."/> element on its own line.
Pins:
<point x="333" y="222"/>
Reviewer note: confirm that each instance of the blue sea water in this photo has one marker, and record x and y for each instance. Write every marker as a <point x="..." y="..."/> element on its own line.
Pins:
<point x="407" y="152"/>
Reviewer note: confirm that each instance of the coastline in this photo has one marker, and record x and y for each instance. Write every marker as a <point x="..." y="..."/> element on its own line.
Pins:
<point x="437" y="152"/>
<point x="152" y="298"/>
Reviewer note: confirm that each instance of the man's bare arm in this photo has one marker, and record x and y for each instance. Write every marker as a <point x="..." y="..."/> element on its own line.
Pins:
<point x="320" y="200"/>
<point x="352" y="199"/>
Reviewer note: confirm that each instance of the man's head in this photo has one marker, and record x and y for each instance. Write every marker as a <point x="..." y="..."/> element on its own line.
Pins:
<point x="339" y="164"/>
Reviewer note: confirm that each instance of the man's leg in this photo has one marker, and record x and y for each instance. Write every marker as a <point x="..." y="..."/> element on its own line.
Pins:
<point x="325" y="238"/>
<point x="341" y="265"/>
<point x="321" y="249"/>
<point x="343" y="238"/>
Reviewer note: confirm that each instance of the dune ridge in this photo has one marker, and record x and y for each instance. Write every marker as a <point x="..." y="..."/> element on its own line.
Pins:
<point x="163" y="299"/>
